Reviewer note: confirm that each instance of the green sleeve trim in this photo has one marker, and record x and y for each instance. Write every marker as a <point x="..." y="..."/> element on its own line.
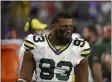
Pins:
<point x="29" y="45"/>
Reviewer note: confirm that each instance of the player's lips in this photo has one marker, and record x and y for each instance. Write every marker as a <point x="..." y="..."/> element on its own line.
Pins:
<point x="67" y="35"/>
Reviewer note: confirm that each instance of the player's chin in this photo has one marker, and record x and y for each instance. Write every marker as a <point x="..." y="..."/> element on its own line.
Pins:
<point x="65" y="41"/>
<point x="67" y="37"/>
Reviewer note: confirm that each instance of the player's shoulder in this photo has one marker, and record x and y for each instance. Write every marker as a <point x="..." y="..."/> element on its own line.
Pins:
<point x="35" y="37"/>
<point x="83" y="45"/>
<point x="32" y="40"/>
<point x="80" y="42"/>
<point x="76" y="35"/>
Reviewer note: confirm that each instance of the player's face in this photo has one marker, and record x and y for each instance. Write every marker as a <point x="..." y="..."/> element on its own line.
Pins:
<point x="64" y="30"/>
<point x="86" y="34"/>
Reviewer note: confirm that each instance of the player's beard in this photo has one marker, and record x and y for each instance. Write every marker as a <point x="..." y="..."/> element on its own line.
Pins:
<point x="60" y="37"/>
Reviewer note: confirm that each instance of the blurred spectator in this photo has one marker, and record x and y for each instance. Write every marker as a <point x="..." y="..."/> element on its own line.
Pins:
<point x="90" y="34"/>
<point x="106" y="59"/>
<point x="94" y="7"/>
<point x="51" y="8"/>
<point x="85" y="12"/>
<point x="6" y="21"/>
<point x="43" y="14"/>
<point x="58" y="6"/>
<point x="100" y="71"/>
<point x="19" y="13"/>
<point x="33" y="25"/>
<point x="105" y="12"/>
<point x="35" y="5"/>
<point x="26" y="8"/>
<point x="99" y="30"/>
<point x="81" y="12"/>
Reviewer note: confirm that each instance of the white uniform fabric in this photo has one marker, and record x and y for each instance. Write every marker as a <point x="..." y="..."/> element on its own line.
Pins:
<point x="76" y="35"/>
<point x="53" y="64"/>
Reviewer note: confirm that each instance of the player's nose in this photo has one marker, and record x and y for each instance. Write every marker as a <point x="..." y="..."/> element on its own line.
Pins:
<point x="68" y="31"/>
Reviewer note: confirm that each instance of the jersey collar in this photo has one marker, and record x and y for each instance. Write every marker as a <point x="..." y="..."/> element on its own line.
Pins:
<point x="61" y="49"/>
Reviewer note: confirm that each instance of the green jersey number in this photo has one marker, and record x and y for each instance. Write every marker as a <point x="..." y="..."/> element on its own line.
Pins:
<point x="80" y="43"/>
<point x="39" y="39"/>
<point x="49" y="70"/>
<point x="47" y="73"/>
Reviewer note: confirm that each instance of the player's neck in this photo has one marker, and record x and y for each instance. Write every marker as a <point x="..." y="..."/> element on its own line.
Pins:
<point x="54" y="40"/>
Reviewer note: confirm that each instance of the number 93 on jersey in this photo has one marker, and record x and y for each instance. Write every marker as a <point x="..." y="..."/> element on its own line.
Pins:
<point x="50" y="70"/>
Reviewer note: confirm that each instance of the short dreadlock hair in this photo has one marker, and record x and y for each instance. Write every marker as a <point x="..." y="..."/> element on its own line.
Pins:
<point x="59" y="15"/>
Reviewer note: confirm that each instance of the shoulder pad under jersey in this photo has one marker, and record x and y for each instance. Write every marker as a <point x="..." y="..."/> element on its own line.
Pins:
<point x="32" y="39"/>
<point x="29" y="42"/>
<point x="84" y="46"/>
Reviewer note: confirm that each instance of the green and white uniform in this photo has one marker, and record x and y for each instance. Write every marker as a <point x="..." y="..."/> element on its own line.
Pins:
<point x="55" y="64"/>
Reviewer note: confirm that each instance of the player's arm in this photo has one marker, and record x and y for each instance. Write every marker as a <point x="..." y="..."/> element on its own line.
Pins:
<point x="81" y="71"/>
<point x="28" y="63"/>
<point x="81" y="74"/>
<point x="28" y="67"/>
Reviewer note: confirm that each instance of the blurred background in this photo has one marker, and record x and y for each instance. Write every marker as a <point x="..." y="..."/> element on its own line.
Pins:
<point x="16" y="17"/>
<point x="16" y="13"/>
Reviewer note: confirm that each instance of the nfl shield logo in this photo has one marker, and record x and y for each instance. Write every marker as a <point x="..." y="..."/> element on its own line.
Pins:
<point x="58" y="51"/>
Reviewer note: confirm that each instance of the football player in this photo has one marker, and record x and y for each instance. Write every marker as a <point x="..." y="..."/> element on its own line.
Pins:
<point x="55" y="57"/>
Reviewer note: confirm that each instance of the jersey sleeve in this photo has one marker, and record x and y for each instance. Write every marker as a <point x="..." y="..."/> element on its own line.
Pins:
<point x="85" y="51"/>
<point x="29" y="44"/>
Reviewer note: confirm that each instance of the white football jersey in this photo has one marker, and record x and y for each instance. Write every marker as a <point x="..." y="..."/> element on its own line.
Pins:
<point x="54" y="64"/>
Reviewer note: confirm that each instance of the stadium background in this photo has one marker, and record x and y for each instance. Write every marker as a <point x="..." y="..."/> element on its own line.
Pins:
<point x="15" y="14"/>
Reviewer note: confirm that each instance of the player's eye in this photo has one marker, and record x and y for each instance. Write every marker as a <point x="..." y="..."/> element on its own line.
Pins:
<point x="66" y="26"/>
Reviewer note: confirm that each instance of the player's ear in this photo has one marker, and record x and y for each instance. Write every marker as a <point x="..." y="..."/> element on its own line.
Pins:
<point x="53" y="26"/>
